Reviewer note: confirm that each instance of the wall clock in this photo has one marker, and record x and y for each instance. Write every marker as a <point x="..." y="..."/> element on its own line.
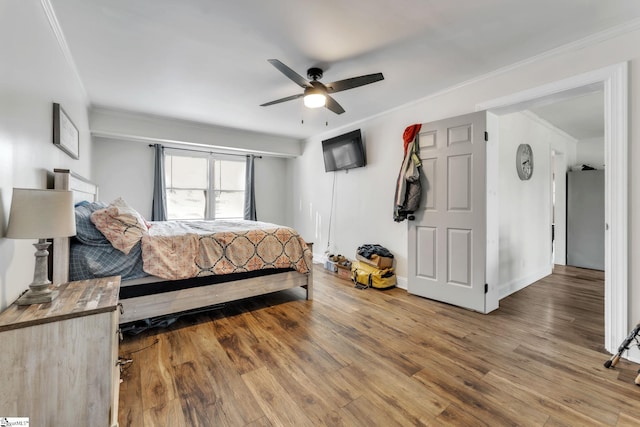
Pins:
<point x="524" y="161"/>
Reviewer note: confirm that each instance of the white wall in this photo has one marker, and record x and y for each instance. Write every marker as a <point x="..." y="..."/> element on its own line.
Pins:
<point x="560" y="214"/>
<point x="125" y="169"/>
<point x="590" y="152"/>
<point x="363" y="199"/>
<point x="526" y="206"/>
<point x="272" y="195"/>
<point x="370" y="200"/>
<point x="30" y="81"/>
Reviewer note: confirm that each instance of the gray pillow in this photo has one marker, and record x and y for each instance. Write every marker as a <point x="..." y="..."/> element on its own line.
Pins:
<point x="86" y="231"/>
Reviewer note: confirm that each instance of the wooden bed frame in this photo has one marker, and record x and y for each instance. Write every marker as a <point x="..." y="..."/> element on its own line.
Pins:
<point x="152" y="306"/>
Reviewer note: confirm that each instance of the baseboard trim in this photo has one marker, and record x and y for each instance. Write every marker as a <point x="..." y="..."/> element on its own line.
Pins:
<point x="522" y="282"/>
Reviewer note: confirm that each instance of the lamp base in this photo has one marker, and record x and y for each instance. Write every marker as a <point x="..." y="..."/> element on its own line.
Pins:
<point x="39" y="292"/>
<point x="32" y="297"/>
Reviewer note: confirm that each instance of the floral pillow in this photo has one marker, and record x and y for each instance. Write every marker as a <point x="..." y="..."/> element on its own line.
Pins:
<point x="122" y="225"/>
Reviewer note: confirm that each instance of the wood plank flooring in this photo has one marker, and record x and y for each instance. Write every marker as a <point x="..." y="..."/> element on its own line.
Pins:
<point x="384" y="358"/>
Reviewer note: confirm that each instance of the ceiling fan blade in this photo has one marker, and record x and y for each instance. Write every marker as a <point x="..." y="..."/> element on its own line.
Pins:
<point x="333" y="105"/>
<point x="278" y="101"/>
<point x="353" y="82"/>
<point x="297" y="78"/>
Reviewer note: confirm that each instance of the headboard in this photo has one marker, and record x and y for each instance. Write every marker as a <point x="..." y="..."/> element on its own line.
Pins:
<point x="82" y="189"/>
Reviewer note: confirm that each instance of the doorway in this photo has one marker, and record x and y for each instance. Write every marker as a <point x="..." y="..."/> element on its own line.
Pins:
<point x="579" y="122"/>
<point x="614" y="81"/>
<point x="559" y="206"/>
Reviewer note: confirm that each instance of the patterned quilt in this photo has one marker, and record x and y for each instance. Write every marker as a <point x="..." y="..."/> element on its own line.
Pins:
<point x="183" y="249"/>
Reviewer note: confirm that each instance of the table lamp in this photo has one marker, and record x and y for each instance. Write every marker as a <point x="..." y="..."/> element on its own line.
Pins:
<point x="40" y="214"/>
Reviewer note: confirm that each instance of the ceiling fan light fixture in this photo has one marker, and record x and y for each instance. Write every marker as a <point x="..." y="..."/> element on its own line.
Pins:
<point x="316" y="94"/>
<point x="314" y="98"/>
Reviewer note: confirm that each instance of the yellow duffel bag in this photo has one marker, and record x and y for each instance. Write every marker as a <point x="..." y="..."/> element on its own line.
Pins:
<point x="368" y="276"/>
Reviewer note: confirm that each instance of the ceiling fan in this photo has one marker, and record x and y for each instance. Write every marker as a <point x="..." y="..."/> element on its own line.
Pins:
<point x="316" y="94"/>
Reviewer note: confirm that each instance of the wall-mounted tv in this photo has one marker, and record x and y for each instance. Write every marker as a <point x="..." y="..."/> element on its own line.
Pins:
<point x="344" y="152"/>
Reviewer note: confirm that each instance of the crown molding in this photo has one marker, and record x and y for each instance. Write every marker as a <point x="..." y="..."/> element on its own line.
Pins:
<point x="64" y="47"/>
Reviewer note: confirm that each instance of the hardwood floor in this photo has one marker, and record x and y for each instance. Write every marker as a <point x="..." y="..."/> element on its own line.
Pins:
<point x="367" y="357"/>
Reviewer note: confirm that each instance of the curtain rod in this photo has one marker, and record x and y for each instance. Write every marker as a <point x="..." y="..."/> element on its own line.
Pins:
<point x="210" y="152"/>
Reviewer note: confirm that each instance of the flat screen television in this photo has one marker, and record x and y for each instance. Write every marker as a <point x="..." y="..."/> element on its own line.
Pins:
<point x="344" y="152"/>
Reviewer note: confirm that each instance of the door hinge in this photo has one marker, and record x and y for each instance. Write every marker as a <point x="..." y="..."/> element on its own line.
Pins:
<point x="486" y="288"/>
<point x="486" y="135"/>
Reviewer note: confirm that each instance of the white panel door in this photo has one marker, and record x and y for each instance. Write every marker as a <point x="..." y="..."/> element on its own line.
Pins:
<point x="447" y="238"/>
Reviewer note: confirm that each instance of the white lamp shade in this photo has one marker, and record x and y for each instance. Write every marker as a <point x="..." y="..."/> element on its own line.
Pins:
<point x="315" y="100"/>
<point x="41" y="214"/>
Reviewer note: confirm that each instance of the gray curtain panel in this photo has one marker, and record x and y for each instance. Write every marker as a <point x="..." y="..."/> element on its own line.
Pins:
<point x="249" y="191"/>
<point x="159" y="207"/>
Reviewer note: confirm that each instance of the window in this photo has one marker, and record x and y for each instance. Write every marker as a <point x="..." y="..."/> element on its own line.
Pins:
<point x="204" y="186"/>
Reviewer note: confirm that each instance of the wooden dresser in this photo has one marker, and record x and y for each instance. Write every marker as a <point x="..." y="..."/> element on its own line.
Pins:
<point x="59" y="361"/>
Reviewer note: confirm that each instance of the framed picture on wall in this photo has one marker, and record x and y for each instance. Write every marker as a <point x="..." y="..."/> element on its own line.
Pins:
<point x="65" y="134"/>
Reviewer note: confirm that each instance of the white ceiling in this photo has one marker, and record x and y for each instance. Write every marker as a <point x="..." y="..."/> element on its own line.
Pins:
<point x="206" y="60"/>
<point x="581" y="116"/>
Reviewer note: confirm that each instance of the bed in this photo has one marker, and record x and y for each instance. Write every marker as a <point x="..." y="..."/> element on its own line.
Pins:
<point x="152" y="297"/>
